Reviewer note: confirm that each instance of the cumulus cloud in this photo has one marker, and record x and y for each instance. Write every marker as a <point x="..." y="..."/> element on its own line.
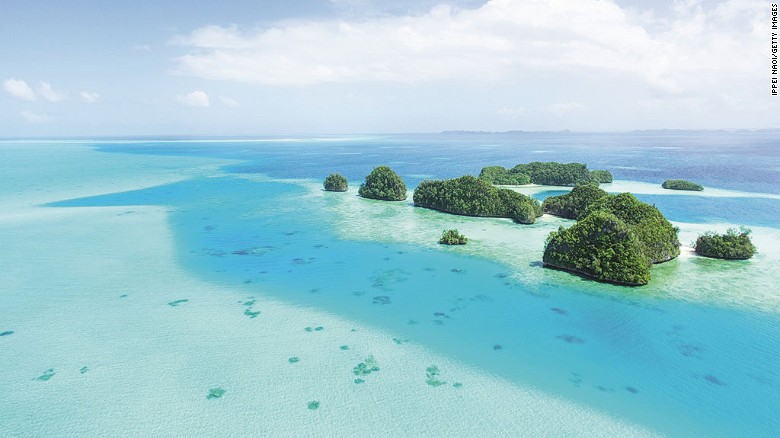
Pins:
<point x="229" y="102"/>
<point x="90" y="96"/>
<point x="492" y="42"/>
<point x="33" y="117"/>
<point x="18" y="89"/>
<point x="195" y="98"/>
<point x="47" y="92"/>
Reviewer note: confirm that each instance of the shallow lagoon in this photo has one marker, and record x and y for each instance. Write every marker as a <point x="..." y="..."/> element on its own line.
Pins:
<point x="519" y="348"/>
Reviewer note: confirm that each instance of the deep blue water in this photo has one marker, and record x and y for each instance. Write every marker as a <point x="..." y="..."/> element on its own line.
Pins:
<point x="680" y="368"/>
<point x="747" y="161"/>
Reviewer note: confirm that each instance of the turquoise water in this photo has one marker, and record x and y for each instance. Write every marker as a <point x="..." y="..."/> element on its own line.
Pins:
<point x="672" y="366"/>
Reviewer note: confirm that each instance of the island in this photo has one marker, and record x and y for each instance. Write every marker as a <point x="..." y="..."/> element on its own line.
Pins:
<point x="616" y="240"/>
<point x="602" y="247"/>
<point x="335" y="183"/>
<point x="681" y="184"/>
<point x="470" y="196"/>
<point x="601" y="176"/>
<point x="383" y="184"/>
<point x="733" y="245"/>
<point x="452" y="237"/>
<point x="572" y="205"/>
<point x="544" y="173"/>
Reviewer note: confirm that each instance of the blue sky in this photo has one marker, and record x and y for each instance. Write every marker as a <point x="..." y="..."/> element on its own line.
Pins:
<point x="88" y="67"/>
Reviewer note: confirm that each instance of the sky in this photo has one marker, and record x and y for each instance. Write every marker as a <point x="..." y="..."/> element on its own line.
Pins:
<point x="262" y="67"/>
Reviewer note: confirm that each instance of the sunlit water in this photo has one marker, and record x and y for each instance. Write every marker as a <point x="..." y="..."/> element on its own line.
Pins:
<point x="140" y="276"/>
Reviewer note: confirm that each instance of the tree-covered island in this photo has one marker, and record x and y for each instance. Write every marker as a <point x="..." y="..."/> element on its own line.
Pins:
<point x="544" y="173"/>
<point x="572" y="205"/>
<point x="733" y="245"/>
<point x="470" y="196"/>
<point x="453" y="237"/>
<point x="681" y="184"/>
<point x="384" y="184"/>
<point x="616" y="239"/>
<point x="335" y="183"/>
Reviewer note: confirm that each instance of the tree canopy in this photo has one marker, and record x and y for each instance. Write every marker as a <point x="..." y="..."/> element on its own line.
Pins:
<point x="733" y="245"/>
<point x="335" y="183"/>
<point x="681" y="184"/>
<point x="572" y="205"/>
<point x="470" y="196"/>
<point x="382" y="183"/>
<point x="601" y="246"/>
<point x="545" y="173"/>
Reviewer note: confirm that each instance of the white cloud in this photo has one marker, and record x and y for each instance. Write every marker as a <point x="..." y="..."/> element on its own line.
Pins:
<point x="47" y="92"/>
<point x="34" y="117"/>
<point x="695" y="48"/>
<point x="512" y="113"/>
<point x="229" y="102"/>
<point x="19" y="89"/>
<point x="90" y="96"/>
<point x="195" y="98"/>
<point x="561" y="109"/>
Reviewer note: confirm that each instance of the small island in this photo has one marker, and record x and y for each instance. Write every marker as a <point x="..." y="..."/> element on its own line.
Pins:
<point x="469" y="196"/>
<point x="616" y="240"/>
<point x="544" y="173"/>
<point x="383" y="184"/>
<point x="452" y="237"/>
<point x="733" y="245"/>
<point x="335" y="183"/>
<point x="602" y="247"/>
<point x="681" y="184"/>
<point x="601" y="176"/>
<point x="572" y="205"/>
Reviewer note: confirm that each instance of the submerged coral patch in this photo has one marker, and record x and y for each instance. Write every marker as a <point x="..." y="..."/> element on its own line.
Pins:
<point x="368" y="366"/>
<point x="215" y="393"/>
<point x="571" y="339"/>
<point x="252" y="314"/>
<point x="432" y="376"/>
<point x="48" y="374"/>
<point x="83" y="370"/>
<point x="177" y="302"/>
<point x="314" y="405"/>
<point x="7" y="333"/>
<point x="293" y="359"/>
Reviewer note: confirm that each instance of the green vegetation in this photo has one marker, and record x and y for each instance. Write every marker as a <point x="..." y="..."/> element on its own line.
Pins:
<point x="734" y="245"/>
<point x="453" y="237"/>
<point x="681" y="184"/>
<point x="572" y="205"/>
<point x="382" y="183"/>
<point x="501" y="176"/>
<point x="600" y="246"/>
<point x="470" y="196"/>
<point x="616" y="239"/>
<point x="335" y="183"/>
<point x="657" y="235"/>
<point x="600" y="176"/>
<point x="545" y="173"/>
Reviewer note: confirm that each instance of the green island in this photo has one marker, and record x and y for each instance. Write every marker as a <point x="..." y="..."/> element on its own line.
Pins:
<point x="616" y="240"/>
<point x="470" y="196"/>
<point x="545" y="173"/>
<point x="572" y="205"/>
<point x="681" y="184"/>
<point x="601" y="176"/>
<point x="453" y="237"/>
<point x="733" y="245"/>
<point x="383" y="184"/>
<point x="335" y="182"/>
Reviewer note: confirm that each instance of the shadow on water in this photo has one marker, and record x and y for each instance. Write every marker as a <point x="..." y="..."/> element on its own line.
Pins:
<point x="674" y="367"/>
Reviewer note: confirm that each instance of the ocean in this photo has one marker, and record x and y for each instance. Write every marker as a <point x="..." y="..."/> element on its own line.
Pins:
<point x="210" y="287"/>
